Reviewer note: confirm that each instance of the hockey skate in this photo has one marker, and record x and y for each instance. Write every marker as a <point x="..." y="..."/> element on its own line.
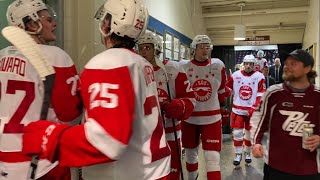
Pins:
<point x="237" y="160"/>
<point x="247" y="158"/>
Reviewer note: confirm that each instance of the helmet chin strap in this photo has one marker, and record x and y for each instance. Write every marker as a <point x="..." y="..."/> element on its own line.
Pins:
<point x="38" y="31"/>
<point x="39" y="39"/>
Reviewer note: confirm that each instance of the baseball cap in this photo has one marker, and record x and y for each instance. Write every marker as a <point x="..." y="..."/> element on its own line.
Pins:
<point x="303" y="56"/>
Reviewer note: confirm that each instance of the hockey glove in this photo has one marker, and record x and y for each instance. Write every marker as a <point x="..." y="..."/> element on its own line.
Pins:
<point x="174" y="109"/>
<point x="179" y="109"/>
<point x="42" y="138"/>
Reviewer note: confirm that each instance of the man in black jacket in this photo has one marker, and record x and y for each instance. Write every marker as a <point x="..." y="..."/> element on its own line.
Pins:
<point x="276" y="70"/>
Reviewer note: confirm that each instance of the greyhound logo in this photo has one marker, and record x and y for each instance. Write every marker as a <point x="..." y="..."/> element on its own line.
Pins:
<point x="162" y="95"/>
<point x="202" y="90"/>
<point x="245" y="92"/>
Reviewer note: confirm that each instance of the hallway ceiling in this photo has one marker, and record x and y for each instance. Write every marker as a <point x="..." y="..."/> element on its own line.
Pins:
<point x="261" y="17"/>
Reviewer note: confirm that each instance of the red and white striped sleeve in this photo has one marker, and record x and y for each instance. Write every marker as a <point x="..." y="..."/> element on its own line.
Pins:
<point x="260" y="119"/>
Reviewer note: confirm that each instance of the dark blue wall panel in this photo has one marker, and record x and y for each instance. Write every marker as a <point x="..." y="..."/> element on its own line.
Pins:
<point x="160" y="27"/>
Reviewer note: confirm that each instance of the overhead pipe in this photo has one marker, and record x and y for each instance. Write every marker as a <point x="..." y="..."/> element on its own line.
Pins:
<point x="259" y="11"/>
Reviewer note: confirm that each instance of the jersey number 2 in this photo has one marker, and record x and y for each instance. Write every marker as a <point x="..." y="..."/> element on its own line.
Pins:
<point x="14" y="126"/>
<point x="156" y="152"/>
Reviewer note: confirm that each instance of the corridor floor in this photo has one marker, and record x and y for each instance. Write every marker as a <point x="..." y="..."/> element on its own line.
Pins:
<point x="252" y="172"/>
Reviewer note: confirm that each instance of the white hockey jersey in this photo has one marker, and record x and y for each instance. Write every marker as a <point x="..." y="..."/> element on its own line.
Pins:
<point x="179" y="88"/>
<point x="247" y="90"/>
<point x="260" y="63"/>
<point x="208" y="80"/>
<point x="123" y="136"/>
<point x="21" y="94"/>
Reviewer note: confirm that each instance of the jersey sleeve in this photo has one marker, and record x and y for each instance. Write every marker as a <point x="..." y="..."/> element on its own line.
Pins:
<point x="105" y="134"/>
<point x="221" y="90"/>
<point x="230" y="81"/>
<point x="65" y="99"/>
<point x="261" y="90"/>
<point x="260" y="119"/>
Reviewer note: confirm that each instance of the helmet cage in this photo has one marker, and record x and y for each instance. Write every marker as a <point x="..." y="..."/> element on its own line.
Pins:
<point x="20" y="9"/>
<point x="122" y="17"/>
<point x="200" y="39"/>
<point x="151" y="38"/>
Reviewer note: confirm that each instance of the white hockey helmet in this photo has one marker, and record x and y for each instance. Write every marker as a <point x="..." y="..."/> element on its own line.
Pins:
<point x="151" y="38"/>
<point x="128" y="18"/>
<point x="260" y="53"/>
<point x="200" y="39"/>
<point x="249" y="58"/>
<point x="20" y="9"/>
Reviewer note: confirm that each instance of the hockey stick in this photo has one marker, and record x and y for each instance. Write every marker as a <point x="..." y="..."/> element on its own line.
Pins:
<point x="31" y="50"/>
<point x="175" y="134"/>
<point x="161" y="65"/>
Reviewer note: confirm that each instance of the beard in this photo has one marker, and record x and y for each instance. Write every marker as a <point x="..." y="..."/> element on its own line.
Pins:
<point x="290" y="78"/>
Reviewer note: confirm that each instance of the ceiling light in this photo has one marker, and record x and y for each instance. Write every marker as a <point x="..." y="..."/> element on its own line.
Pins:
<point x="240" y="29"/>
<point x="239" y="32"/>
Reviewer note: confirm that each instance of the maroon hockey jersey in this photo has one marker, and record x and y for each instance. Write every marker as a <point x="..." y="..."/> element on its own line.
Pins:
<point x="278" y="125"/>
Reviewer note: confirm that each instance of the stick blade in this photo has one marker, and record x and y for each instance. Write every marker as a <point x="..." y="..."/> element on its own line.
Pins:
<point x="29" y="48"/>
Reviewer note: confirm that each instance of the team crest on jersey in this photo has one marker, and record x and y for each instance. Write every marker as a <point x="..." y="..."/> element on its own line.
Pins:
<point x="162" y="95"/>
<point x="245" y="92"/>
<point x="202" y="90"/>
<point x="295" y="122"/>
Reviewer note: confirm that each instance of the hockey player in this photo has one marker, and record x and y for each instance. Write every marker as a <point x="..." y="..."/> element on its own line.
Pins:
<point x="260" y="61"/>
<point x="248" y="86"/>
<point x="122" y="137"/>
<point x="22" y="91"/>
<point x="278" y="123"/>
<point x="207" y="77"/>
<point x="176" y="102"/>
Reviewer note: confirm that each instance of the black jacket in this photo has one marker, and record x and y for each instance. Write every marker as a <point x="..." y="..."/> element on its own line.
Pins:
<point x="273" y="74"/>
<point x="269" y="81"/>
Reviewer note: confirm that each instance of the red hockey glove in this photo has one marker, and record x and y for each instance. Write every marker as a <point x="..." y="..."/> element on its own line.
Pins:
<point x="174" y="109"/>
<point x="180" y="109"/>
<point x="225" y="116"/>
<point x="42" y="138"/>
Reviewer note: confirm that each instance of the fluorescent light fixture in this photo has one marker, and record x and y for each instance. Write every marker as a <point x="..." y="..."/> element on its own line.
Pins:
<point x="239" y="32"/>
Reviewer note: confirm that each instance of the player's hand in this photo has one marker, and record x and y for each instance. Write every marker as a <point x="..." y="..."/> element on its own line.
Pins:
<point x="42" y="138"/>
<point x="257" y="151"/>
<point x="174" y="109"/>
<point x="312" y="142"/>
